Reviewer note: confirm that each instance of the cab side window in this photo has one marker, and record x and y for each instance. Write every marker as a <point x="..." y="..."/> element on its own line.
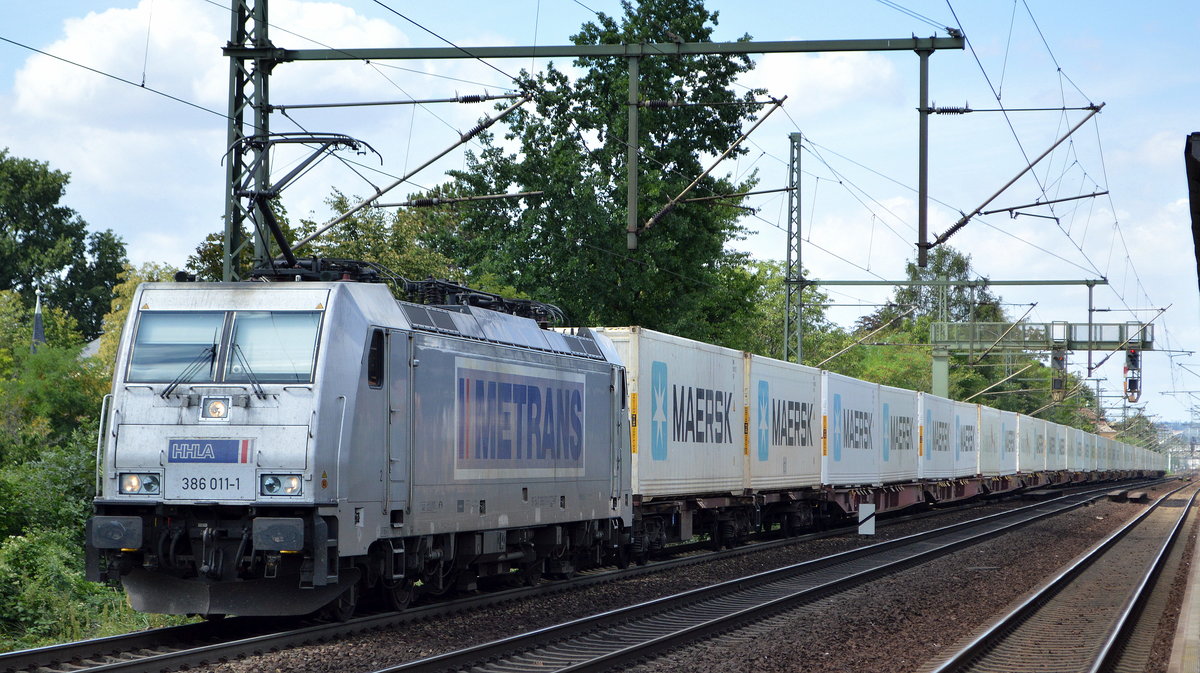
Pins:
<point x="375" y="360"/>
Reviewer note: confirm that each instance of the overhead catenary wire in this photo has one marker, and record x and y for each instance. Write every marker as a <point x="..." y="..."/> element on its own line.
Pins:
<point x="817" y="182"/>
<point x="380" y="192"/>
<point x="465" y="98"/>
<point x="117" y="78"/>
<point x="675" y="201"/>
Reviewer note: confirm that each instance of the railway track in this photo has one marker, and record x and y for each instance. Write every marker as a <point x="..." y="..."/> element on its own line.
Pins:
<point x="621" y="638"/>
<point x="206" y="643"/>
<point x="1086" y="619"/>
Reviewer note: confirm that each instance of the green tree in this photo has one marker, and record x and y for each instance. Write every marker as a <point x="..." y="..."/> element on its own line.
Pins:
<point x="899" y="354"/>
<point x="45" y="244"/>
<point x="208" y="261"/>
<point x="49" y="395"/>
<point x="568" y="247"/>
<point x="762" y="327"/>
<point x="114" y="319"/>
<point x="1137" y="428"/>
<point x="16" y="331"/>
<point x="377" y="235"/>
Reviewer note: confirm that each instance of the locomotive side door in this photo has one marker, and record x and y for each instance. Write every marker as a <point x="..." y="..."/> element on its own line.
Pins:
<point x="399" y="424"/>
<point x="617" y="443"/>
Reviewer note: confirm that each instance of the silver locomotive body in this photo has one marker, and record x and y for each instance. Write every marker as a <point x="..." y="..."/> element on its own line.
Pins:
<point x="270" y="448"/>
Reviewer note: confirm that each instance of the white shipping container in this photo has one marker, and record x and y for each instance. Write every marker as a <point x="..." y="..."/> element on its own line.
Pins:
<point x="1056" y="447"/>
<point x="686" y="416"/>
<point x="991" y="443"/>
<point x="1009" y="442"/>
<point x="1031" y="456"/>
<point x="937" y="437"/>
<point x="900" y="431"/>
<point x="1089" y="452"/>
<point x="966" y="442"/>
<point x="785" y="432"/>
<point x="1077" y="453"/>
<point x="1076" y="460"/>
<point x="850" y="441"/>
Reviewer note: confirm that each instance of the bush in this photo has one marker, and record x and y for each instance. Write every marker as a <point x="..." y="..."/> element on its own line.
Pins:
<point x="44" y="598"/>
<point x="43" y="594"/>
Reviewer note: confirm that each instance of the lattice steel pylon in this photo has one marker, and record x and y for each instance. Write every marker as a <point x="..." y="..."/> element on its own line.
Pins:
<point x="246" y="171"/>
<point x="793" y="281"/>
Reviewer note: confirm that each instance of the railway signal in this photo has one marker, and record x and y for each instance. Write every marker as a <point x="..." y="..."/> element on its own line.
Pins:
<point x="1133" y="374"/>
<point x="1058" y="374"/>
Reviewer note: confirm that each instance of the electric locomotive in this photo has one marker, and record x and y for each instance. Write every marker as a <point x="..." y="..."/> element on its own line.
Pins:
<point x="272" y="448"/>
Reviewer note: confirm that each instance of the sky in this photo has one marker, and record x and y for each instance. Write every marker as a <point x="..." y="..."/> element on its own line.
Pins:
<point x="141" y="131"/>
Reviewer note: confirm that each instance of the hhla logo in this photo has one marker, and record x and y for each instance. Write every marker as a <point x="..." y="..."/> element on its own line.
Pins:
<point x="658" y="410"/>
<point x="764" y="420"/>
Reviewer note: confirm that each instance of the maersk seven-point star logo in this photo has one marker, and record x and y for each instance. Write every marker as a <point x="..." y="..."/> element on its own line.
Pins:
<point x="658" y="410"/>
<point x="764" y="420"/>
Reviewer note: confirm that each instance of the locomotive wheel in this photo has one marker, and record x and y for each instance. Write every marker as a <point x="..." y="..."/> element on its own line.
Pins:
<point x="342" y="608"/>
<point x="399" y="597"/>
<point x="623" y="557"/>
<point x="531" y="575"/>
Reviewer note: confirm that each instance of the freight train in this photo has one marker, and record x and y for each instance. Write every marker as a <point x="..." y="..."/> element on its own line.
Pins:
<point x="300" y="444"/>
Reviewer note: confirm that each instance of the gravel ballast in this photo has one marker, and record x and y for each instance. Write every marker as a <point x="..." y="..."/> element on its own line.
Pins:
<point x="897" y="623"/>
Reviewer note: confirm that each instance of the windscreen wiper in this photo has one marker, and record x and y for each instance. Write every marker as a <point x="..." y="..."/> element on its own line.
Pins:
<point x="258" y="389"/>
<point x="209" y="353"/>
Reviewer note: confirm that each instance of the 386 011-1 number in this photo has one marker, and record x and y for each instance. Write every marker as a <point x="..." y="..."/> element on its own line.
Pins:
<point x="210" y="483"/>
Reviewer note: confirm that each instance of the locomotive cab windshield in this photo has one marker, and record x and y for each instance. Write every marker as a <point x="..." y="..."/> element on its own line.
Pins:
<point x="225" y="347"/>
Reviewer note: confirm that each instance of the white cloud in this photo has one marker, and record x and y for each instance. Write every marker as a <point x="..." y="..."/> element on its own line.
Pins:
<point x="817" y="83"/>
<point x="175" y="57"/>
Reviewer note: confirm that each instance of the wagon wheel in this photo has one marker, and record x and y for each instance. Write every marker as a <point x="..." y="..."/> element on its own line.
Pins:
<point x="622" y="556"/>
<point x="400" y="595"/>
<point x="342" y="608"/>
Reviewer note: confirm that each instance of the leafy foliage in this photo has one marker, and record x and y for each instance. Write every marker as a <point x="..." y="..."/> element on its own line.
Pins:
<point x="114" y="320"/>
<point x="760" y="329"/>
<point x="375" y="235"/>
<point x="208" y="261"/>
<point x="45" y="244"/>
<point x="568" y="247"/>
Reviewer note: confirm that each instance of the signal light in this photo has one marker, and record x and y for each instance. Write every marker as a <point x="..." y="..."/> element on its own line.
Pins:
<point x="1133" y="360"/>
<point x="1058" y="360"/>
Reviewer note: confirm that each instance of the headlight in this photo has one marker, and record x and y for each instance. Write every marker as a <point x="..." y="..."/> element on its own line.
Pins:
<point x="139" y="484"/>
<point x="280" y="484"/>
<point x="214" y="408"/>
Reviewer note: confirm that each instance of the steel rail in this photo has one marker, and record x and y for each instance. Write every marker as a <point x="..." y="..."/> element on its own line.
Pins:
<point x="978" y="647"/>
<point x="254" y="634"/>
<point x="620" y="637"/>
<point x="1111" y="652"/>
<point x="241" y="636"/>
